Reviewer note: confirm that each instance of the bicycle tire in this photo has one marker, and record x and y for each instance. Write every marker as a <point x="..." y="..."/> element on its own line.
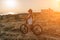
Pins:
<point x="37" y="30"/>
<point x="24" y="28"/>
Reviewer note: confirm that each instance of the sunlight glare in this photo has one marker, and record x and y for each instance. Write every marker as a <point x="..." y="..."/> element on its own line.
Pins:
<point x="56" y="3"/>
<point x="10" y="13"/>
<point x="11" y="3"/>
<point x="57" y="0"/>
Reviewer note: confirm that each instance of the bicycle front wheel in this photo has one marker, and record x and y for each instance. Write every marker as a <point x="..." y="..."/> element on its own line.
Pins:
<point x="24" y="28"/>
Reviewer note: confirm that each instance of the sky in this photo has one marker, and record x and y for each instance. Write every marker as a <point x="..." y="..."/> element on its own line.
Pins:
<point x="22" y="6"/>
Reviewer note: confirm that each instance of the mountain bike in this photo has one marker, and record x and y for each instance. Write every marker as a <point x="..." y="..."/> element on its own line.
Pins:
<point x="35" y="28"/>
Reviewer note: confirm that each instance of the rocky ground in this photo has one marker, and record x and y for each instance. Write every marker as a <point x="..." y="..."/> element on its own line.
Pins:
<point x="7" y="33"/>
<point x="10" y="27"/>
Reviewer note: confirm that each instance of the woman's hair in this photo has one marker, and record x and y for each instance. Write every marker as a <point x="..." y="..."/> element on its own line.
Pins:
<point x="30" y="10"/>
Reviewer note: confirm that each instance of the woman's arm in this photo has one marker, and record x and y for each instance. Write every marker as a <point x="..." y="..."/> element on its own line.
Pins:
<point x="27" y="17"/>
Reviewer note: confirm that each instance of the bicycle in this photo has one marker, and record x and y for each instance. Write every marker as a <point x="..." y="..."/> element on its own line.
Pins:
<point x="35" y="28"/>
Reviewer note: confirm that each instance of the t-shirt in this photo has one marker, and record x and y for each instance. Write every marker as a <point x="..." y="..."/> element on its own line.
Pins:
<point x="30" y="19"/>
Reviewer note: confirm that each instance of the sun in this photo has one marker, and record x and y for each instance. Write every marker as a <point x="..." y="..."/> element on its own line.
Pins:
<point x="11" y="3"/>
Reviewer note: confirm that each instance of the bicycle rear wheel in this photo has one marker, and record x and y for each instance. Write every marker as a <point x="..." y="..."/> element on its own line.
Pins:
<point x="37" y="30"/>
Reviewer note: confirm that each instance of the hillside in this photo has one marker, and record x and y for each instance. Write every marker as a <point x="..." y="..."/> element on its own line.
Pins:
<point x="50" y="24"/>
